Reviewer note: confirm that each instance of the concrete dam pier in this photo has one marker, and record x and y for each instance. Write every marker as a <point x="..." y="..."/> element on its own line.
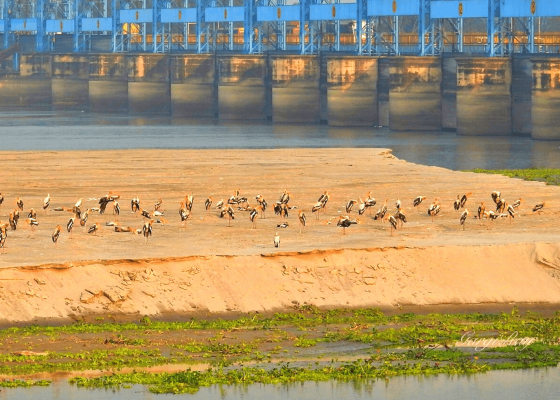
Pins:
<point x="471" y="95"/>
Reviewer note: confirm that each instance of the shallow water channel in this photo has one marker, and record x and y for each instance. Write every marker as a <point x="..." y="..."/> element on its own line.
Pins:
<point x="542" y="384"/>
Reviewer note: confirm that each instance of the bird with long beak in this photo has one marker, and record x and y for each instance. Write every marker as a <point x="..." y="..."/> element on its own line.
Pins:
<point x="220" y="204"/>
<point x="284" y="197"/>
<point x="208" y="203"/>
<point x="56" y="235"/>
<point x="324" y="199"/>
<point x="84" y="218"/>
<point x="19" y="203"/>
<point x="116" y="209"/>
<point x="381" y="212"/>
<point x="46" y="202"/>
<point x="517" y="203"/>
<point x="32" y="214"/>
<point x="78" y="203"/>
<point x="262" y="202"/>
<point x="302" y="220"/>
<point x="316" y="208"/>
<point x="12" y="221"/>
<point x="393" y="223"/>
<point x="189" y="201"/>
<point x="349" y="206"/>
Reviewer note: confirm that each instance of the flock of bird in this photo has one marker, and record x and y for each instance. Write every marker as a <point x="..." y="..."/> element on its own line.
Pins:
<point x="227" y="209"/>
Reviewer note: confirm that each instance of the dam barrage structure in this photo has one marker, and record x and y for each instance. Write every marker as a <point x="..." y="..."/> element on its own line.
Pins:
<point x="471" y="95"/>
<point x="361" y="27"/>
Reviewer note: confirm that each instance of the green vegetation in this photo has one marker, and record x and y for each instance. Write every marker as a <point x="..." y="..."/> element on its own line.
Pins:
<point x="21" y="383"/>
<point x="548" y="175"/>
<point x="373" y="344"/>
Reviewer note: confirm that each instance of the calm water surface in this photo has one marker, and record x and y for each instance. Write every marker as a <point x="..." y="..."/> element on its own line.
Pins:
<point x="536" y="384"/>
<point x="82" y="131"/>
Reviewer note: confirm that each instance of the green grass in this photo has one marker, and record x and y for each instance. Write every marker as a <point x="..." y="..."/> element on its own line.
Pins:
<point x="549" y="175"/>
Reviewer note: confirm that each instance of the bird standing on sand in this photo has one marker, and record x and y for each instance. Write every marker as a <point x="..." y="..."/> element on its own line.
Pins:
<point x="253" y="215"/>
<point x="324" y="199"/>
<point x="481" y="210"/>
<point x="78" y="203"/>
<point x="32" y="222"/>
<point x="495" y="196"/>
<point x="147" y="230"/>
<point x="276" y="240"/>
<point x="220" y="204"/>
<point x="1" y="199"/>
<point x="32" y="214"/>
<point x="3" y="237"/>
<point x="228" y="210"/>
<point x="434" y="209"/>
<point x="417" y="201"/>
<point x="262" y="202"/>
<point x="158" y="204"/>
<point x="208" y="203"/>
<point x="349" y="206"/>
<point x="46" y="201"/>
<point x="302" y="220"/>
<point x="70" y="225"/>
<point x="400" y="216"/>
<point x="345" y="222"/>
<point x="116" y="208"/>
<point x="464" y="199"/>
<point x="381" y="212"/>
<point x="457" y="203"/>
<point x="19" y="203"/>
<point x="393" y="223"/>
<point x="12" y="221"/>
<point x="511" y="211"/>
<point x="56" y="234"/>
<point x="463" y="218"/>
<point x="84" y="218"/>
<point x="184" y="213"/>
<point x="538" y="208"/>
<point x="135" y="204"/>
<point x="189" y="201"/>
<point x="316" y="208"/>
<point x="517" y="203"/>
<point x="398" y="204"/>
<point x="284" y="197"/>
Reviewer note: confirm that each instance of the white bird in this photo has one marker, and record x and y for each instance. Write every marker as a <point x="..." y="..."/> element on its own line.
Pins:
<point x="276" y="240"/>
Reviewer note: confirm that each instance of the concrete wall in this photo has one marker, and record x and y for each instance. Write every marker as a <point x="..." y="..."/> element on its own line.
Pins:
<point x="295" y="89"/>
<point x="545" y="107"/>
<point x="70" y="82"/>
<point x="35" y="86"/>
<point x="449" y="93"/>
<point x="242" y="84"/>
<point x="415" y="93"/>
<point x="149" y="91"/>
<point x="521" y="86"/>
<point x="108" y="83"/>
<point x="192" y="86"/>
<point x="351" y="91"/>
<point x="383" y="76"/>
<point x="484" y="96"/>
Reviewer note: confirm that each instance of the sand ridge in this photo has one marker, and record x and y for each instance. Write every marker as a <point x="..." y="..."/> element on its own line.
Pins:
<point x="522" y="254"/>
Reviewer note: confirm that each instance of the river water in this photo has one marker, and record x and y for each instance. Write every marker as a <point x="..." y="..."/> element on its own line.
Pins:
<point x="83" y="131"/>
<point x="533" y="384"/>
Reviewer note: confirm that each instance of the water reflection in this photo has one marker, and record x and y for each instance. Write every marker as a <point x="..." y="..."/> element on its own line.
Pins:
<point x="84" y="131"/>
<point x="531" y="384"/>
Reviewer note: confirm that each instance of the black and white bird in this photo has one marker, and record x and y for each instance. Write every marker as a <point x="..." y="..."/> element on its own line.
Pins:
<point x="481" y="210"/>
<point x="398" y="204"/>
<point x="511" y="211"/>
<point x="84" y="217"/>
<point x="316" y="208"/>
<point x="457" y="203"/>
<point x="464" y="199"/>
<point x="262" y="202"/>
<point x="184" y="213"/>
<point x="70" y="225"/>
<point x="495" y="196"/>
<point x="284" y="197"/>
<point x="19" y="203"/>
<point x="147" y="229"/>
<point x="94" y="228"/>
<point x="417" y="201"/>
<point x="517" y="203"/>
<point x="32" y="214"/>
<point x="538" y="208"/>
<point x="253" y="215"/>
<point x="220" y="204"/>
<point x="400" y="217"/>
<point x="349" y="206"/>
<point x="345" y="221"/>
<point x="463" y="218"/>
<point x="393" y="223"/>
<point x="208" y="203"/>
<point x="381" y="212"/>
<point x="116" y="208"/>
<point x="283" y="225"/>
<point x="135" y="204"/>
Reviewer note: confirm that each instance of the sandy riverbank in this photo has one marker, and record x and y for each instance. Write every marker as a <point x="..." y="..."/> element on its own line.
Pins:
<point x="210" y="266"/>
